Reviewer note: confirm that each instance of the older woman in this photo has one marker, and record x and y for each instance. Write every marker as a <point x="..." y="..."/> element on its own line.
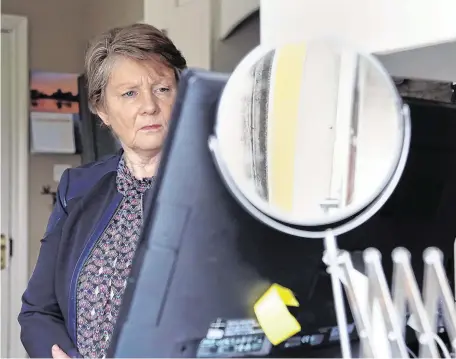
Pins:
<point x="72" y="301"/>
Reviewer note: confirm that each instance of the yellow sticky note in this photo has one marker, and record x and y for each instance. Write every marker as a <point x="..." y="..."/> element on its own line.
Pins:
<point x="273" y="315"/>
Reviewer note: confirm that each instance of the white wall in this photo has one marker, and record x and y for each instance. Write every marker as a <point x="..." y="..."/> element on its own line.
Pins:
<point x="376" y="26"/>
<point x="189" y="25"/>
<point x="101" y="15"/>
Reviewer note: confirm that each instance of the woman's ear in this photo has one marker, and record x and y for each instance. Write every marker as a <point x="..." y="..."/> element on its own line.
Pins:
<point x="104" y="116"/>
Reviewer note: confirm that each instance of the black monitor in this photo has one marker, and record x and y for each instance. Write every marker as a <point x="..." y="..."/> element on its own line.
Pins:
<point x="203" y="260"/>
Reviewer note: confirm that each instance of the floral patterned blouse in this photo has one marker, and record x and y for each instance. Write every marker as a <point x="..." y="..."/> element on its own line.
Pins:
<point x="103" y="278"/>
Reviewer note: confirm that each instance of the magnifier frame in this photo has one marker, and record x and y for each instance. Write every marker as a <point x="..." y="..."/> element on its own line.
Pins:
<point x="346" y="219"/>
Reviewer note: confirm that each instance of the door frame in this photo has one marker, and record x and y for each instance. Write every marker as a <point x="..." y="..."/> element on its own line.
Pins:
<point x="17" y="26"/>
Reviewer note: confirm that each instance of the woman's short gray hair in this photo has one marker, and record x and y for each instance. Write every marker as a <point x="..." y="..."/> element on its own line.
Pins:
<point x="137" y="41"/>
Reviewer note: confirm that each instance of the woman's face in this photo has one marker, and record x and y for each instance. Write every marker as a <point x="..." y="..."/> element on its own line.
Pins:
<point x="138" y="101"/>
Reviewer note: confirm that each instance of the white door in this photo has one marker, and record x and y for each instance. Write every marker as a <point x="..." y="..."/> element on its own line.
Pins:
<point x="5" y="190"/>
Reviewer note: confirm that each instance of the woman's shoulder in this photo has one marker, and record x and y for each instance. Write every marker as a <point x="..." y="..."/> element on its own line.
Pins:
<point x="102" y="166"/>
<point x="78" y="181"/>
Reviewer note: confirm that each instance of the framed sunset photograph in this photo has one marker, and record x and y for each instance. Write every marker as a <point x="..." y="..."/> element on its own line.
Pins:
<point x="54" y="92"/>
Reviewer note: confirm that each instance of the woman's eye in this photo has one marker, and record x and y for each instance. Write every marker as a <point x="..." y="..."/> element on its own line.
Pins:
<point x="163" y="89"/>
<point x="129" y="94"/>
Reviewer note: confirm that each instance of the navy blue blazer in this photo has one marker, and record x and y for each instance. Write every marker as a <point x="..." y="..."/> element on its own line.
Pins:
<point x="86" y="200"/>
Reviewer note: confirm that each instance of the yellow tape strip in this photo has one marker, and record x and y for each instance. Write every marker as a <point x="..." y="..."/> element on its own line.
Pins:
<point x="286" y="81"/>
<point x="273" y="315"/>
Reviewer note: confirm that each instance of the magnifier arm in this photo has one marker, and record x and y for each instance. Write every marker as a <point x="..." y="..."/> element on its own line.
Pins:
<point x="356" y="306"/>
<point x="406" y="295"/>
<point x="331" y="258"/>
<point x="437" y="294"/>
<point x="378" y="293"/>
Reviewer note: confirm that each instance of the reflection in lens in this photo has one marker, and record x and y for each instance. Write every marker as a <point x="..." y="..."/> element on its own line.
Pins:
<point x="309" y="132"/>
